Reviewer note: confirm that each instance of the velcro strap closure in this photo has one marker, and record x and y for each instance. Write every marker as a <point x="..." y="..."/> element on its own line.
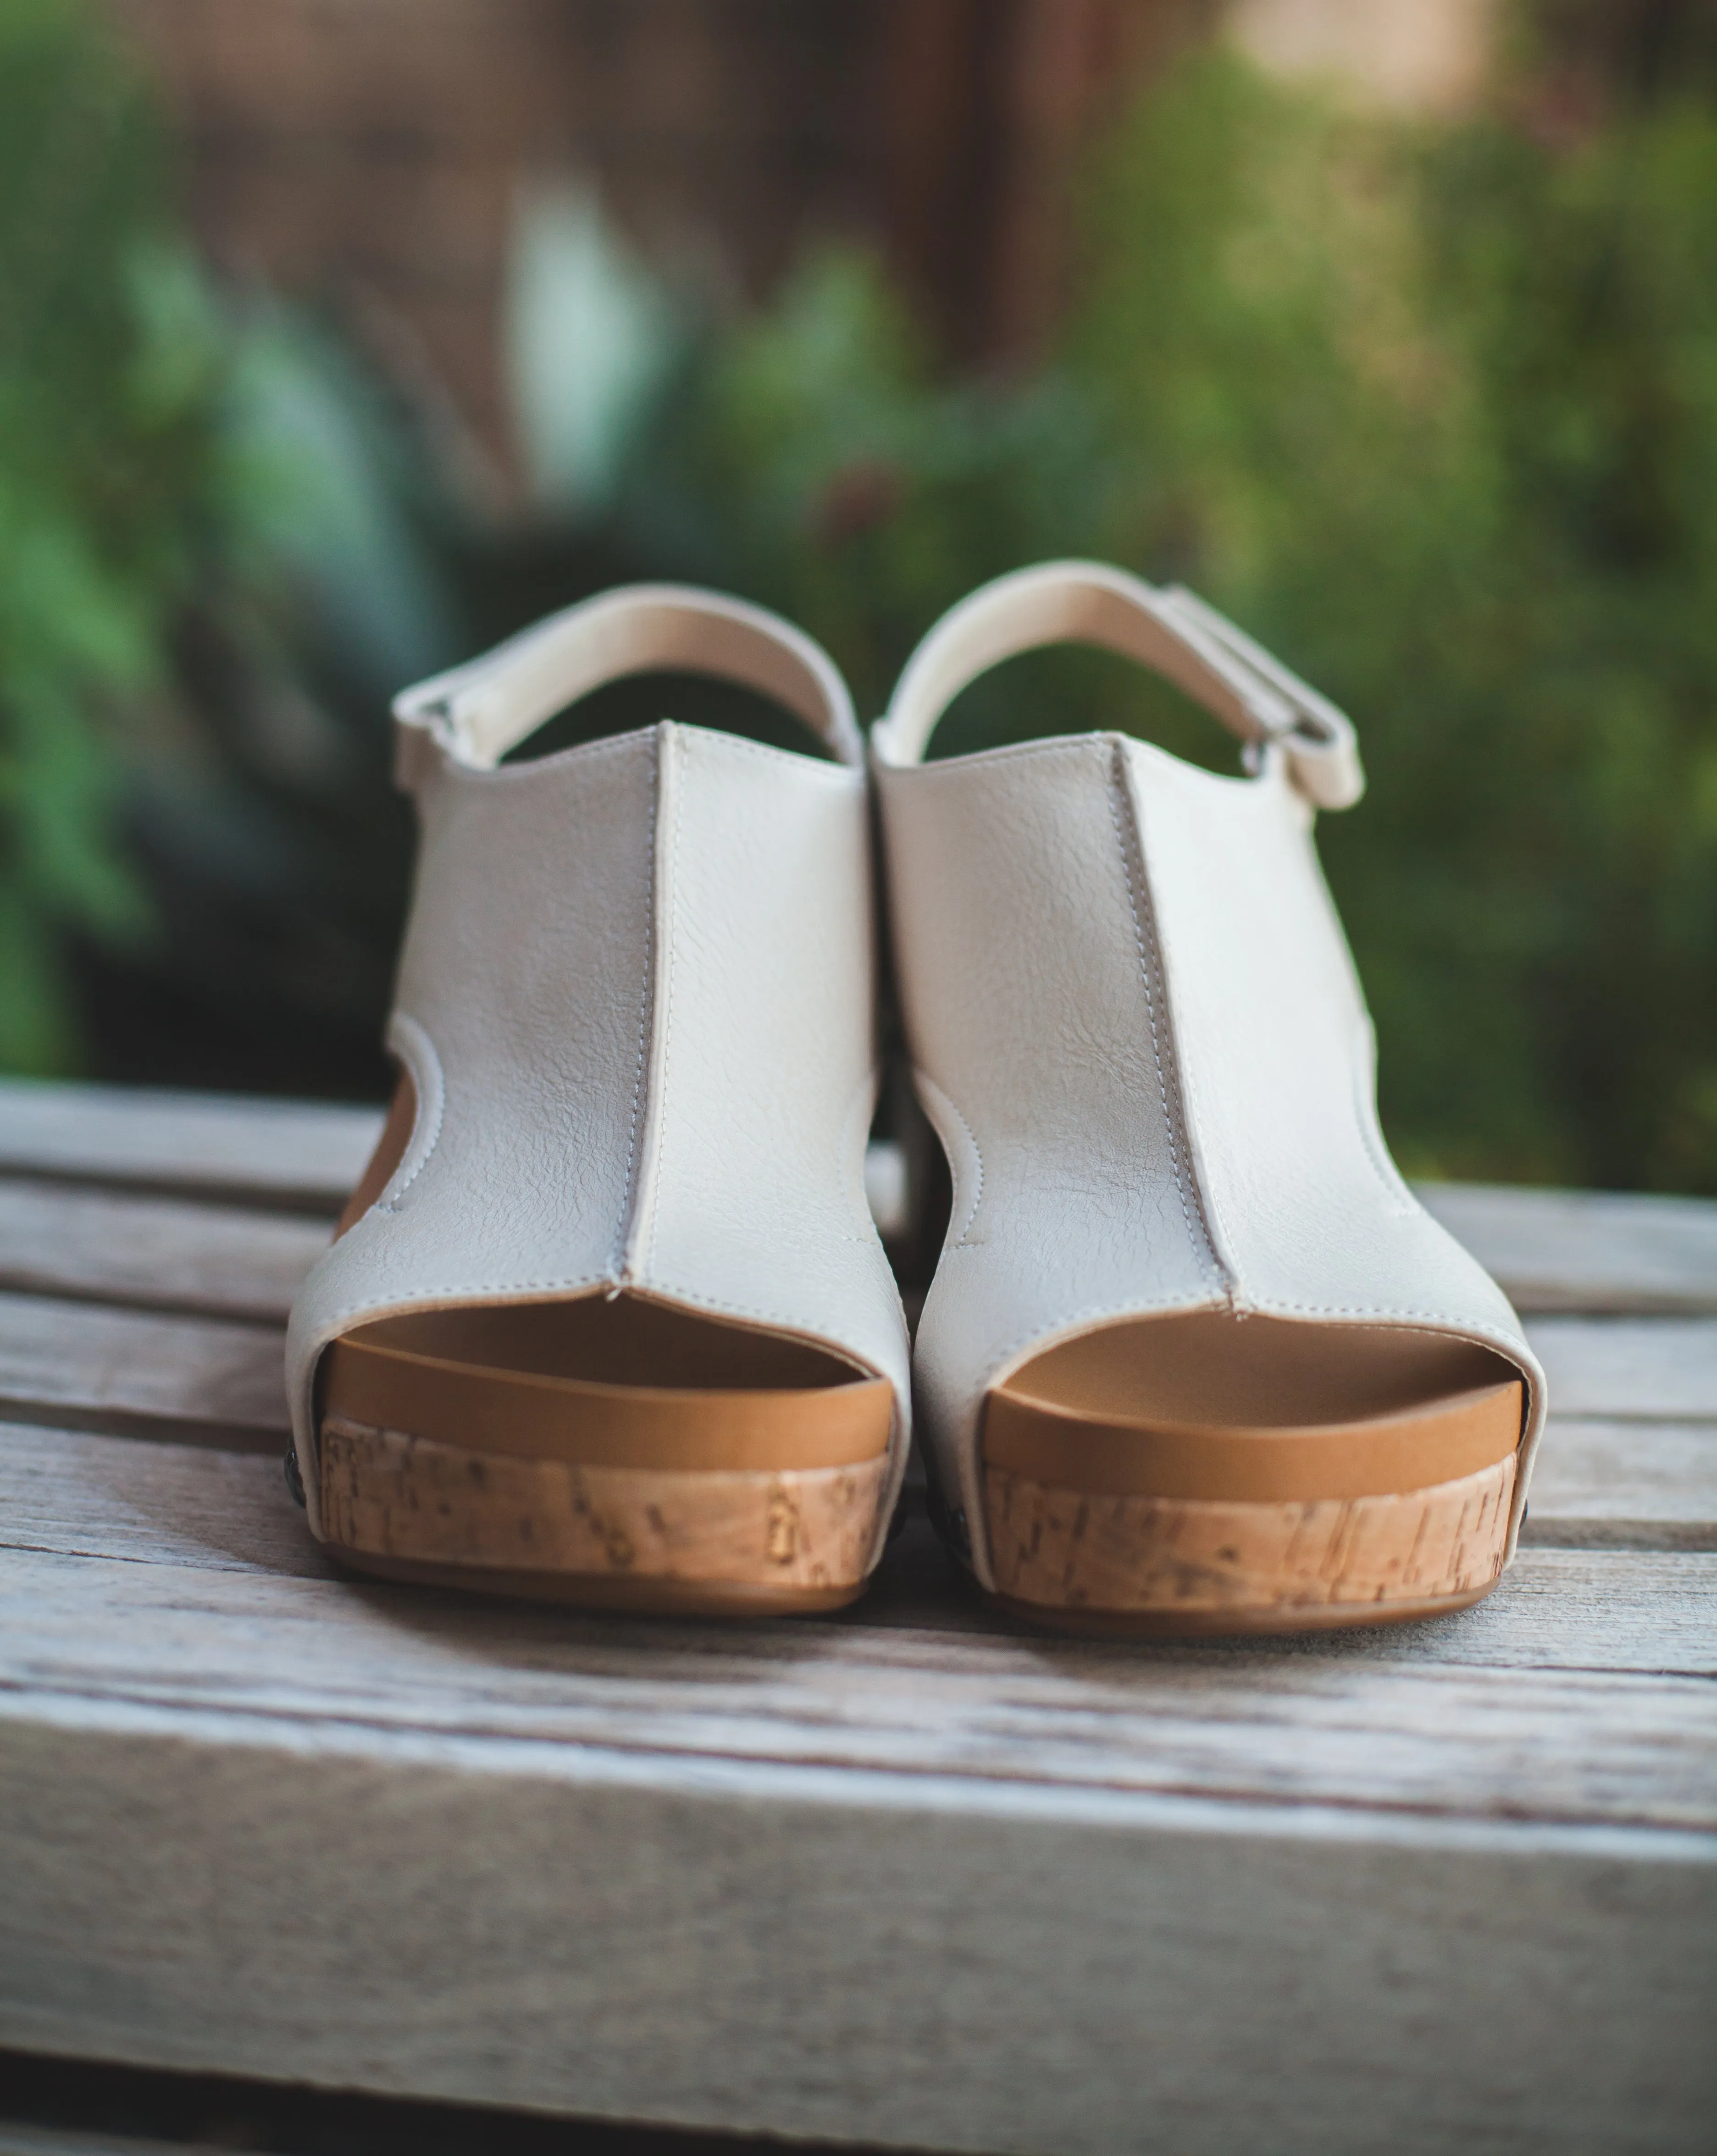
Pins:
<point x="1172" y="632"/>
<point x="475" y="713"/>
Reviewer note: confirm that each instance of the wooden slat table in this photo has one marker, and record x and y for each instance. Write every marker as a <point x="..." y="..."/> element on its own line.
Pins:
<point x="911" y="1877"/>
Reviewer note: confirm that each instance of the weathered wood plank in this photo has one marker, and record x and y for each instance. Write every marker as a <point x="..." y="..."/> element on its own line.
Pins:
<point x="1426" y="1729"/>
<point x="299" y="1154"/>
<point x="87" y="1495"/>
<point x="1658" y="1369"/>
<point x="153" y="1253"/>
<point x="1625" y="1485"/>
<point x="203" y="1381"/>
<point x="1590" y="1251"/>
<point x="861" y="1956"/>
<point x="77" y="1495"/>
<point x="911" y="1876"/>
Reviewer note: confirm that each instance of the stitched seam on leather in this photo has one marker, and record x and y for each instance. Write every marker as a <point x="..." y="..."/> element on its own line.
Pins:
<point x="1435" y="1325"/>
<point x="1433" y="1330"/>
<point x="332" y="1326"/>
<point x="1016" y="752"/>
<point x="1211" y="1197"/>
<point x="617" y="1251"/>
<point x="971" y="1220"/>
<point x="1089" y="1316"/>
<point x="821" y="768"/>
<point x="1436" y="1328"/>
<point x="670" y="941"/>
<point x="958" y="1242"/>
<point x="789" y="1323"/>
<point x="516" y="774"/>
<point x="1168" y="1087"/>
<point x="391" y="1204"/>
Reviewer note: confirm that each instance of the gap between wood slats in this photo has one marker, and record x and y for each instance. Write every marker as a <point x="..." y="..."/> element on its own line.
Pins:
<point x="206" y="1380"/>
<point x="196" y="1255"/>
<point x="71" y="2141"/>
<point x="173" y="1256"/>
<point x="1602" y="1484"/>
<point x="1629" y="1368"/>
<point x="301" y="1154"/>
<point x="220" y="1373"/>
<point x="1586" y="1250"/>
<point x="75" y="2107"/>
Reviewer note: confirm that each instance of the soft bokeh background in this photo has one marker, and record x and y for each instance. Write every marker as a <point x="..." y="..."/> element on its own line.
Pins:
<point x="338" y="337"/>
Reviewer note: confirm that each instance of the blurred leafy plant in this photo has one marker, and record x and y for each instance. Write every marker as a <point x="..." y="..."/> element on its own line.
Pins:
<point x="211" y="570"/>
<point x="108" y="371"/>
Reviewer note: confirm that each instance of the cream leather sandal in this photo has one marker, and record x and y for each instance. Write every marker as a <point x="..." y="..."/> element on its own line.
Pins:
<point x="608" y="1321"/>
<point x="1193" y="1359"/>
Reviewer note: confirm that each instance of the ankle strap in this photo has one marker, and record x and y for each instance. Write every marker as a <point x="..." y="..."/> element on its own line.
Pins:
<point x="1170" y="631"/>
<point x="480" y="710"/>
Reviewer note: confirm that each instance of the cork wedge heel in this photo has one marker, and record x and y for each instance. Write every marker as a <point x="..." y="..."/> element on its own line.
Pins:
<point x="607" y="1319"/>
<point x="1201" y="1474"/>
<point x="1193" y="1359"/>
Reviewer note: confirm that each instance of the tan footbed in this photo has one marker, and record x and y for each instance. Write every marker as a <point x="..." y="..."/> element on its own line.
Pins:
<point x="390" y="1151"/>
<point x="504" y="1406"/>
<point x="1207" y="1472"/>
<point x="1212" y="1406"/>
<point x="604" y="1449"/>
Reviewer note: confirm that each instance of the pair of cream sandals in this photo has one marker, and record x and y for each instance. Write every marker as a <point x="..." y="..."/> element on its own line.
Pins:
<point x="608" y="1319"/>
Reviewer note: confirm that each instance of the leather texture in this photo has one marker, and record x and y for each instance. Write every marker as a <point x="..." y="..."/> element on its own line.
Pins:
<point x="1135" y="1022"/>
<point x="636" y="1002"/>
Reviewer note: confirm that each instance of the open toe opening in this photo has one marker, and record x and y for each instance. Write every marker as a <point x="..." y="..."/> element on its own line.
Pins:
<point x="1211" y="1405"/>
<point x="622" y="1341"/>
<point x="1207" y="1473"/>
<point x="620" y="1382"/>
<point x="617" y="1381"/>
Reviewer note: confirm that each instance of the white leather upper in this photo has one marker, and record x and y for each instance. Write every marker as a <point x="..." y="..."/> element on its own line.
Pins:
<point x="636" y="999"/>
<point x="1135" y="1021"/>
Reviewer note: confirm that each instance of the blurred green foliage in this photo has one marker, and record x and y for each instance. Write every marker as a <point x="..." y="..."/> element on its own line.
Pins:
<point x="209" y="579"/>
<point x="107" y="373"/>
<point x="1431" y="410"/>
<point x="1433" y="413"/>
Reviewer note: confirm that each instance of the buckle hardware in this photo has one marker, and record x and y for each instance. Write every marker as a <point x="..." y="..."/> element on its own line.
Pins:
<point x="1317" y="735"/>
